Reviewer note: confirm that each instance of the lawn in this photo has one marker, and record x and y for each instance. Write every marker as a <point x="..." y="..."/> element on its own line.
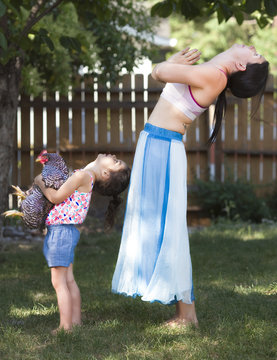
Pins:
<point x="235" y="279"/>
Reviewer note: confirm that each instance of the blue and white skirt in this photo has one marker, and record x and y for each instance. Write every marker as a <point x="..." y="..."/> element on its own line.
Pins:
<point x="154" y="257"/>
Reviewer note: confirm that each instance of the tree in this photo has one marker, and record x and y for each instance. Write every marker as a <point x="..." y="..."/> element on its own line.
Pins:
<point x="43" y="43"/>
<point x="261" y="10"/>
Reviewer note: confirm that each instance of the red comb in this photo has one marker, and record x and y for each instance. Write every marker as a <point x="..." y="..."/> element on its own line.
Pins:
<point x="43" y="152"/>
<point x="40" y="158"/>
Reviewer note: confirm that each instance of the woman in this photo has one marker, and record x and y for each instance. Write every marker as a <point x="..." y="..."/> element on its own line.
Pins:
<point x="154" y="258"/>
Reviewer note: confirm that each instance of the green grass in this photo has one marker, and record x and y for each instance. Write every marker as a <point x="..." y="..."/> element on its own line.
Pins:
<point x="235" y="279"/>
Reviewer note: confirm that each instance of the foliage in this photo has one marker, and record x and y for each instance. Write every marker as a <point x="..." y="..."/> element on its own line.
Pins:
<point x="211" y="38"/>
<point x="54" y="67"/>
<point x="234" y="273"/>
<point x="44" y="43"/>
<point x="271" y="200"/>
<point x="261" y="10"/>
<point x="233" y="200"/>
<point x="53" y="39"/>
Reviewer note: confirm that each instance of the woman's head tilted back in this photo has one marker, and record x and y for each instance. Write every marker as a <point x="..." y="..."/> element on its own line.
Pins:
<point x="251" y="82"/>
<point x="114" y="178"/>
<point x="250" y="74"/>
<point x="248" y="80"/>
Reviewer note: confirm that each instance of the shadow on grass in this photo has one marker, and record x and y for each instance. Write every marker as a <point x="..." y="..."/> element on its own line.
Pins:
<point x="131" y="329"/>
<point x="236" y="301"/>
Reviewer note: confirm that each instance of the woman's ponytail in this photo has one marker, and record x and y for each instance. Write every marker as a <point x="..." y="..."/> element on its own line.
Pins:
<point x="242" y="84"/>
<point x="220" y="108"/>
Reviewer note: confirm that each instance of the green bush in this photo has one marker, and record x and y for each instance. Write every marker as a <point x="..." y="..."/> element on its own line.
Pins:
<point x="271" y="200"/>
<point x="233" y="200"/>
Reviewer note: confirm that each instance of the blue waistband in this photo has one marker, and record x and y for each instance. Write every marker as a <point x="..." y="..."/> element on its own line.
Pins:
<point x="161" y="132"/>
<point x="58" y="226"/>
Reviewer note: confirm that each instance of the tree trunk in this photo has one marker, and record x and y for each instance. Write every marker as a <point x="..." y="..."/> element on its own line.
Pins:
<point x="9" y="89"/>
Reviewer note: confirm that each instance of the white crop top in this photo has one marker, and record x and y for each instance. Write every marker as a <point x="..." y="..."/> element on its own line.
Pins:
<point x="181" y="97"/>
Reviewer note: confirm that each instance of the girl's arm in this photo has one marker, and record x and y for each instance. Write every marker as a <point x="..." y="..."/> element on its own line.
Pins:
<point x="179" y="68"/>
<point x="78" y="179"/>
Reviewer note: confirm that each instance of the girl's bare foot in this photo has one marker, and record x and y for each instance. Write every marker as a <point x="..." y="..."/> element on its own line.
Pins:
<point x="56" y="331"/>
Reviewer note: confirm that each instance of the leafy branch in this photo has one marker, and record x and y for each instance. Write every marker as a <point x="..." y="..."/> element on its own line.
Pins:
<point x="33" y="19"/>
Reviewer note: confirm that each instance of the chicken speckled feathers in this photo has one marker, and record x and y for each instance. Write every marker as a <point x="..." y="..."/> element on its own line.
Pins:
<point x="55" y="171"/>
<point x="35" y="207"/>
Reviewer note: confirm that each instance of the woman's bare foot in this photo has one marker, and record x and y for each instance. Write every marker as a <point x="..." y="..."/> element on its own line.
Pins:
<point x="171" y="321"/>
<point x="185" y="315"/>
<point x="178" y="322"/>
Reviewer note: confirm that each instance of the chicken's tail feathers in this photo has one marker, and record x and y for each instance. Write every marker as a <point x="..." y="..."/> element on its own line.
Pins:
<point x="18" y="192"/>
<point x="13" y="213"/>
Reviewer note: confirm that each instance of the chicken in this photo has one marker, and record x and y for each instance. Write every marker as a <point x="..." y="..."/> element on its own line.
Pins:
<point x="34" y="206"/>
<point x="55" y="171"/>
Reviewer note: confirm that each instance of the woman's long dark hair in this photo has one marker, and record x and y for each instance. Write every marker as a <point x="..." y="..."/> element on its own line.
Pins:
<point x="243" y="84"/>
<point x="116" y="183"/>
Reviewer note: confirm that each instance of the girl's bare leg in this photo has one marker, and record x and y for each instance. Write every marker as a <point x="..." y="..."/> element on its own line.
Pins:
<point x="75" y="296"/>
<point x="59" y="282"/>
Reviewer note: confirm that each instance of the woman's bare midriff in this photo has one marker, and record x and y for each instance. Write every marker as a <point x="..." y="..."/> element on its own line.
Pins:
<point x="167" y="116"/>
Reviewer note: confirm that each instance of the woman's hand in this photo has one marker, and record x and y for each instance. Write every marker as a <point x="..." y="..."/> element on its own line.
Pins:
<point x="178" y="69"/>
<point x="185" y="57"/>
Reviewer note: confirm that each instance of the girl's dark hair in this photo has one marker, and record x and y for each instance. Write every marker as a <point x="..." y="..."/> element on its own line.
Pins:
<point x="243" y="84"/>
<point x="116" y="183"/>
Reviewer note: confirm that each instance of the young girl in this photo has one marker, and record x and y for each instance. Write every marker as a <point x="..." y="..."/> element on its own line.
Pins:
<point x="108" y="176"/>
<point x="154" y="257"/>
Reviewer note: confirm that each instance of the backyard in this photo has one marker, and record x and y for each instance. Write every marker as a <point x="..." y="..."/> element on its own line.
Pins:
<point x="235" y="279"/>
<point x="76" y="80"/>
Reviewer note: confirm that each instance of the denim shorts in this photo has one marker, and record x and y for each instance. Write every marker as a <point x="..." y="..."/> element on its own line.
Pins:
<point x="59" y="244"/>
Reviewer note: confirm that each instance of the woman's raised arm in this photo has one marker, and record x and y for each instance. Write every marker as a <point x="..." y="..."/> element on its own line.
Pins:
<point x="179" y="68"/>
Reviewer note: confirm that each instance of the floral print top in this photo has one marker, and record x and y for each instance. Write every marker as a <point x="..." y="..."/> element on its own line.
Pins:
<point x="72" y="210"/>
